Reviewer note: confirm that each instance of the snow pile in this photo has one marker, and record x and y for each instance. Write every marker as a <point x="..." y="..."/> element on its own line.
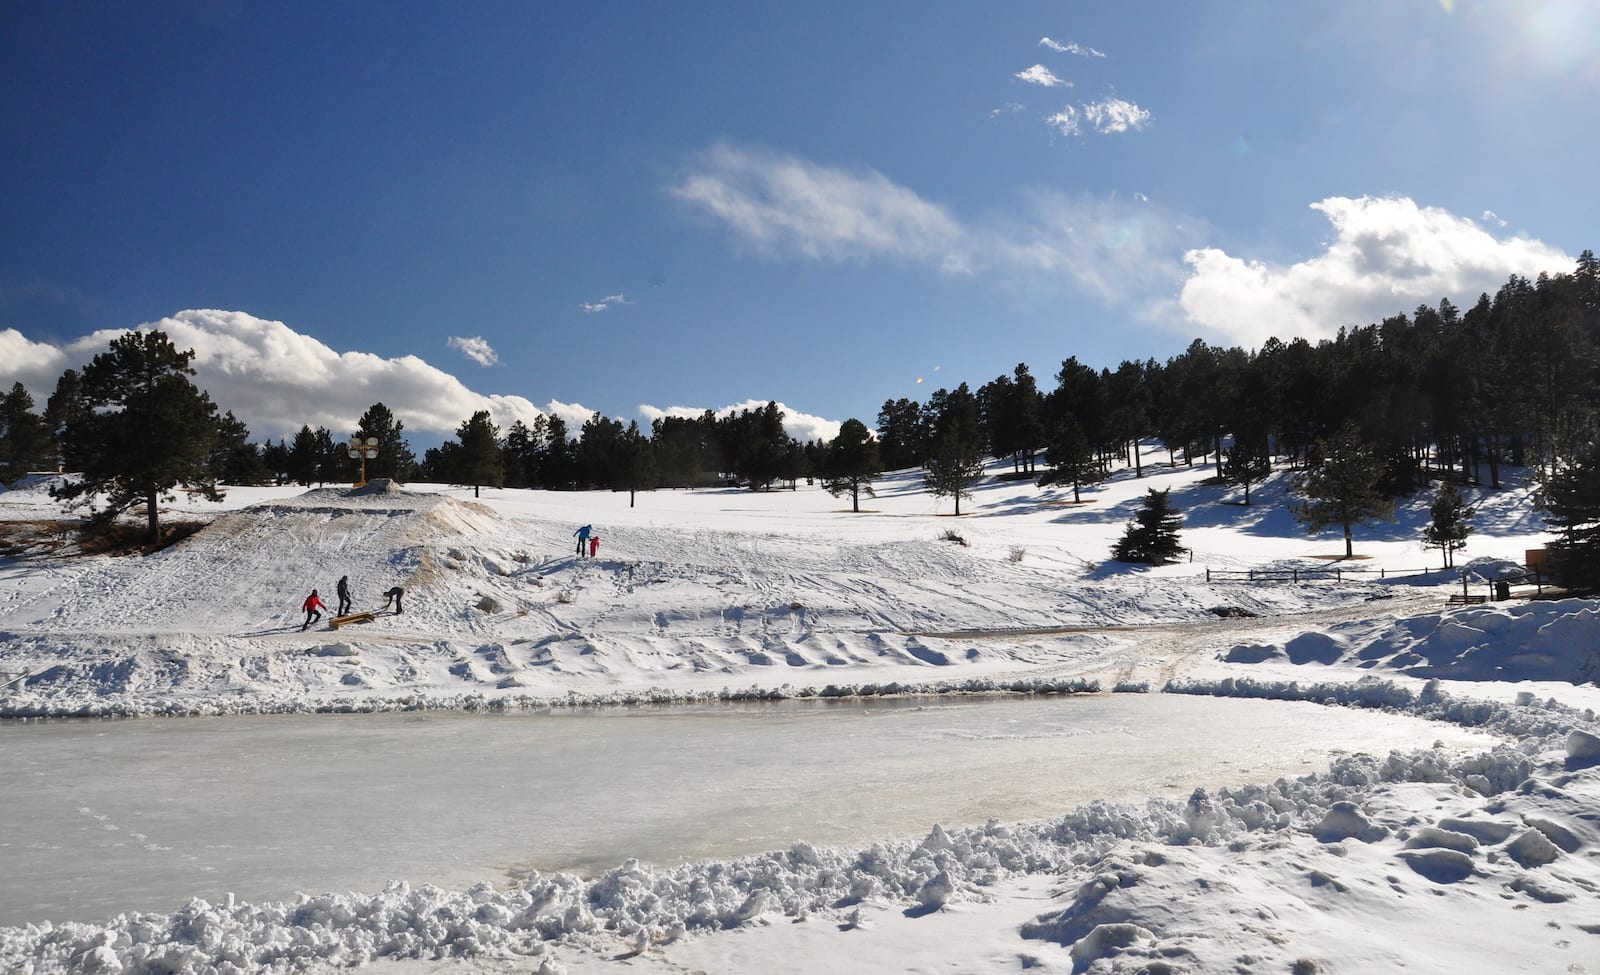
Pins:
<point x="1506" y="819"/>
<point x="1555" y="640"/>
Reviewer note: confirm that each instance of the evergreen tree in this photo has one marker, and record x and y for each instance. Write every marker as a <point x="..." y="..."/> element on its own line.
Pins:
<point x="25" y="443"/>
<point x="148" y="430"/>
<point x="1247" y="461"/>
<point x="1449" y="529"/>
<point x="1152" y="536"/>
<point x="1570" y="499"/>
<point x="597" y="450"/>
<point x="65" y="407"/>
<point x="851" y="462"/>
<point x="303" y="459"/>
<point x="334" y="462"/>
<point x="234" y="459"/>
<point x="1072" y="460"/>
<point x="275" y="458"/>
<point x="953" y="468"/>
<point x="902" y="436"/>
<point x="478" y="461"/>
<point x="1341" y="488"/>
<point x="395" y="459"/>
<point x="556" y="465"/>
<point x="633" y="464"/>
<point x="522" y="455"/>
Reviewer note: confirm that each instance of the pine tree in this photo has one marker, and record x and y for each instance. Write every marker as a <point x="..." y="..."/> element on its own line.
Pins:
<point x="954" y="467"/>
<point x="302" y="467"/>
<point x="234" y="459"/>
<point x="478" y="460"/>
<point x="1341" y="488"/>
<point x="1449" y="529"/>
<point x="1152" y="536"/>
<point x="851" y="462"/>
<point x="1071" y="458"/>
<point x="1247" y="461"/>
<point x="24" y="436"/>
<point x="65" y="407"/>
<point x="1570" y="499"/>
<point x="633" y="462"/>
<point x="395" y="459"/>
<point x="148" y="430"/>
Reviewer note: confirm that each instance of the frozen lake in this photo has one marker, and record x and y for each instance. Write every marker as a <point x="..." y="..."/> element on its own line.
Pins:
<point x="108" y="816"/>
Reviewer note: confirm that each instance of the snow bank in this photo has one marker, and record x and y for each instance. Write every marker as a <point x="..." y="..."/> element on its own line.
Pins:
<point x="1518" y="793"/>
<point x="1513" y="641"/>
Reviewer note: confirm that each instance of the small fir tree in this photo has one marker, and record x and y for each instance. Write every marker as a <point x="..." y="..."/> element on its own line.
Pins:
<point x="851" y="462"/>
<point x="1449" y="529"/>
<point x="1341" y="488"/>
<point x="1152" y="535"/>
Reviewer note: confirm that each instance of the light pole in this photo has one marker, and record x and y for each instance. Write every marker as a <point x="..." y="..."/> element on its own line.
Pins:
<point x="363" y="448"/>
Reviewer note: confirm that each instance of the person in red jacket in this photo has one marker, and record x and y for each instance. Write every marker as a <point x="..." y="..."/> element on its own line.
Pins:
<point x="313" y="607"/>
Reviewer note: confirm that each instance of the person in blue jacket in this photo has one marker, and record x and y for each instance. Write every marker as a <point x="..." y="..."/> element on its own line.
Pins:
<point x="583" y="538"/>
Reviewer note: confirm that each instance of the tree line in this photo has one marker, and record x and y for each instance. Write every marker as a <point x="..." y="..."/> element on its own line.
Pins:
<point x="1439" y="393"/>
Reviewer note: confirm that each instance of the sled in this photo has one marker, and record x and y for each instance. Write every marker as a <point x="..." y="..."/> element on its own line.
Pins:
<point x="339" y="621"/>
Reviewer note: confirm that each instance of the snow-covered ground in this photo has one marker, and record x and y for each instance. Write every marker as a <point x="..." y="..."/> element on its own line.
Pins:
<point x="1431" y="860"/>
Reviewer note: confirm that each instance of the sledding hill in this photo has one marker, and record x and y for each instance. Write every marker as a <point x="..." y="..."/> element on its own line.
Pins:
<point x="248" y="571"/>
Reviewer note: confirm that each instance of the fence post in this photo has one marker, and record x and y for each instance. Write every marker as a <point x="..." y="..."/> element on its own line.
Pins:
<point x="1208" y="573"/>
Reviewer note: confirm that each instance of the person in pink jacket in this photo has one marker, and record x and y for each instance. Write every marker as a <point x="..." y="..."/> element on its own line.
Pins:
<point x="313" y="607"/>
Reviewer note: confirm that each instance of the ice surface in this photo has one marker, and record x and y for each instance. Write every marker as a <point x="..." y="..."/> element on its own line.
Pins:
<point x="120" y="815"/>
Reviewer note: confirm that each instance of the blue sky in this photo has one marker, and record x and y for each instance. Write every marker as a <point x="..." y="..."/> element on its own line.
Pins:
<point x="638" y="207"/>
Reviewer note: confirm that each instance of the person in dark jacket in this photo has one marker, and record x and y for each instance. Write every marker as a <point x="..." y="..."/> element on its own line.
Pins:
<point x="393" y="596"/>
<point x="313" y="607"/>
<point x="344" y="596"/>
<point x="583" y="538"/>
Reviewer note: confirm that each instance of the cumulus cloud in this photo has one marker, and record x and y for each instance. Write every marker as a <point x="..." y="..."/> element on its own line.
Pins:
<point x="1110" y="115"/>
<point x="780" y="204"/>
<point x="476" y="348"/>
<point x="1387" y="256"/>
<point x="1070" y="47"/>
<point x="276" y="379"/>
<point x="592" y="307"/>
<point x="33" y="364"/>
<point x="803" y="427"/>
<point x="1041" y="75"/>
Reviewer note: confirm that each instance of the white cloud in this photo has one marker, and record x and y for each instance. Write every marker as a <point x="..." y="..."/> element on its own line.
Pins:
<point x="1009" y="108"/>
<point x="1065" y="121"/>
<point x="592" y="307"/>
<point x="1070" y="47"/>
<point x="33" y="364"/>
<point x="575" y="415"/>
<point x="1489" y="216"/>
<point x="1116" y="250"/>
<point x="1111" y="115"/>
<point x="803" y="427"/>
<point x="1388" y="255"/>
<point x="476" y="348"/>
<point x="1041" y="75"/>
<point x="782" y="204"/>
<point x="275" y="379"/>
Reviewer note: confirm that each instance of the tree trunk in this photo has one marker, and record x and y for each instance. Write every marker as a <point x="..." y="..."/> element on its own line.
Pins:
<point x="1349" y="550"/>
<point x="154" y="514"/>
<point x="855" y="498"/>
